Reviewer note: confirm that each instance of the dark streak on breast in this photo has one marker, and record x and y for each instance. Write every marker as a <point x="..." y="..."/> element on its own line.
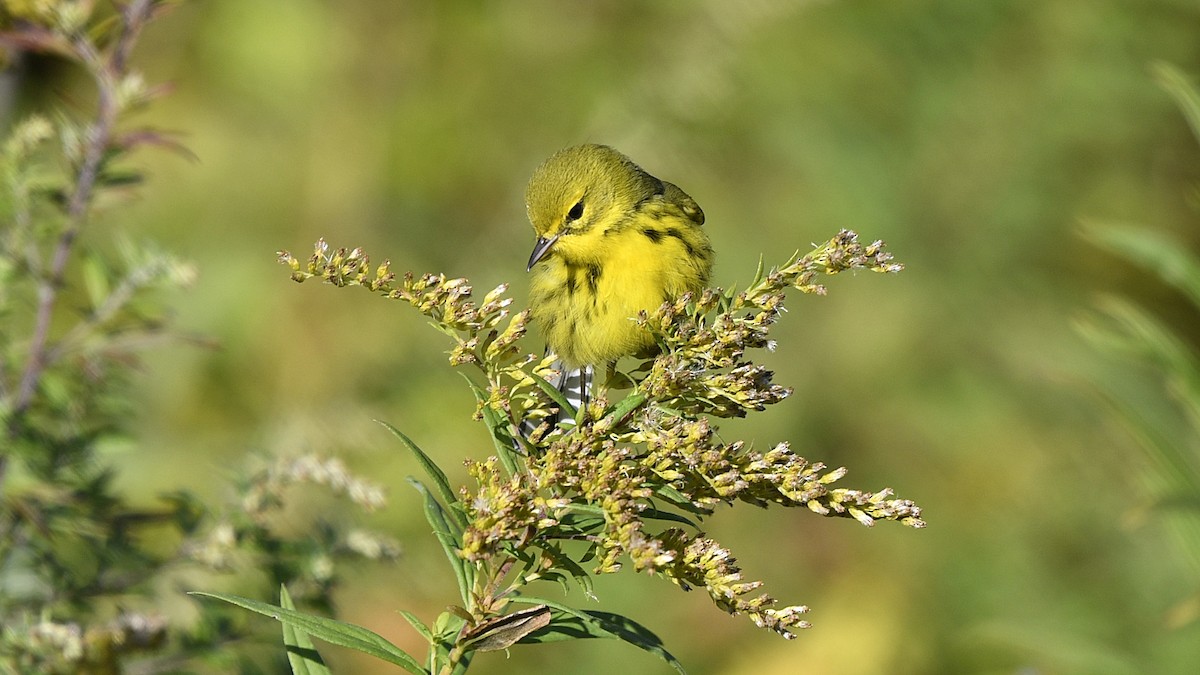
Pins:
<point x="553" y="295"/>
<point x="674" y="232"/>
<point x="594" y="271"/>
<point x="571" y="280"/>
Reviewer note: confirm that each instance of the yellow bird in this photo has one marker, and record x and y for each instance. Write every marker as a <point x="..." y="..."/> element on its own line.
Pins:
<point x="612" y="240"/>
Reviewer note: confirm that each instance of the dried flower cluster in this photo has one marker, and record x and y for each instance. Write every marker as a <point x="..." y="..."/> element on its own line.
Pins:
<point x="264" y="489"/>
<point x="250" y="525"/>
<point x="703" y="366"/>
<point x="45" y="646"/>
<point x="475" y="328"/>
<point x="632" y="479"/>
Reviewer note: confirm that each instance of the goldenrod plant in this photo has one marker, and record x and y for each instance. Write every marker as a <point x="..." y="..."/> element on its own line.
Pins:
<point x="624" y="482"/>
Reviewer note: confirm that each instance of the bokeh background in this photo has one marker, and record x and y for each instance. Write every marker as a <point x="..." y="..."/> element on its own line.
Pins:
<point x="974" y="137"/>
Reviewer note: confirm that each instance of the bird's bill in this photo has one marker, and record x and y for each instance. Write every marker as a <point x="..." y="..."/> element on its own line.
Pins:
<point x="540" y="248"/>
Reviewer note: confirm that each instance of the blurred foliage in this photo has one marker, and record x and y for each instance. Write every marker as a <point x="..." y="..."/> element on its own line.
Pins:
<point x="972" y="136"/>
<point x="1165" y="426"/>
<point x="89" y="574"/>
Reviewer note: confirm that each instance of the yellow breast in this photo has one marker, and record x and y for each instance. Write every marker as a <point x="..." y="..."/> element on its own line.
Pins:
<point x="586" y="295"/>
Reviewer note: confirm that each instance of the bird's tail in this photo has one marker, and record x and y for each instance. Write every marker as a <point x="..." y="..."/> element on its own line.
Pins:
<point x="576" y="385"/>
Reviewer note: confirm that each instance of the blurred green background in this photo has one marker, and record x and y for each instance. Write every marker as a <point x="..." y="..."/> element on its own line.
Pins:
<point x="972" y="135"/>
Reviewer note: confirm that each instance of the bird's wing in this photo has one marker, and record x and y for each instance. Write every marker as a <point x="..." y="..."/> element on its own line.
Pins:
<point x="672" y="194"/>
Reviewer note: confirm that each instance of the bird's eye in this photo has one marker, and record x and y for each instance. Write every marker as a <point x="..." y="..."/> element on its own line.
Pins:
<point x="576" y="211"/>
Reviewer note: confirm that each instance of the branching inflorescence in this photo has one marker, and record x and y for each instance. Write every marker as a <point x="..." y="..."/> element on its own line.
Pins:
<point x="629" y="480"/>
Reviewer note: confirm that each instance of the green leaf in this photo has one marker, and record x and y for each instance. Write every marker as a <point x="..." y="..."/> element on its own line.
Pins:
<point x="447" y="625"/>
<point x="119" y="178"/>
<point x="463" y="571"/>
<point x="1134" y="331"/>
<point x="503" y="632"/>
<point x="579" y="519"/>
<point x="1187" y="503"/>
<point x="301" y="653"/>
<point x="417" y="624"/>
<point x="1173" y="463"/>
<point x="561" y="560"/>
<point x="440" y="482"/>
<point x="330" y="630"/>
<point x="758" y="273"/>
<point x="590" y="554"/>
<point x="626" y="406"/>
<point x="1153" y="251"/>
<point x="95" y="280"/>
<point x="555" y="395"/>
<point x="1182" y="90"/>
<point x="652" y="513"/>
<point x="678" y="499"/>
<point x="503" y="442"/>
<point x="574" y="624"/>
<point x="590" y="510"/>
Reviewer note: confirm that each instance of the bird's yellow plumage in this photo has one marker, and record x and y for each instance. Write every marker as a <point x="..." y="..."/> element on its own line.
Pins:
<point x="612" y="241"/>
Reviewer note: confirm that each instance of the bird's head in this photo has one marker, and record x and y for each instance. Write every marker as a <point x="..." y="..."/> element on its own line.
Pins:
<point x="581" y="190"/>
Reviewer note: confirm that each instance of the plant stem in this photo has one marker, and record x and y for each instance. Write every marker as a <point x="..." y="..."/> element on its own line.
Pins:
<point x="108" y="74"/>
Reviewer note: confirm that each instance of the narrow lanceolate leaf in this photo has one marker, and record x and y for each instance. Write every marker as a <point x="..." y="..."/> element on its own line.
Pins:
<point x="503" y="632"/>
<point x="564" y="561"/>
<point x="652" y="513"/>
<point x="1183" y="91"/>
<point x="588" y="510"/>
<point x="302" y="654"/>
<point x="330" y="630"/>
<point x="1174" y="466"/>
<point x="568" y="623"/>
<point x="575" y="526"/>
<point x="758" y="273"/>
<point x="1154" y="252"/>
<point x="95" y="281"/>
<point x="504" y="444"/>
<point x="677" y="498"/>
<point x="1135" y="331"/>
<point x="440" y="482"/>
<point x="626" y="406"/>
<point x="119" y="178"/>
<point x="436" y="515"/>
<point x="417" y="624"/>
<point x="566" y="410"/>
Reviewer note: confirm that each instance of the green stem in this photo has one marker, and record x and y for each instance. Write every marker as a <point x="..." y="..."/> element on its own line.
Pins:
<point x="107" y="74"/>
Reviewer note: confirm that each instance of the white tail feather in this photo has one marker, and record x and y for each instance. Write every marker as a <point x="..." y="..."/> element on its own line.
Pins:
<point x="576" y="385"/>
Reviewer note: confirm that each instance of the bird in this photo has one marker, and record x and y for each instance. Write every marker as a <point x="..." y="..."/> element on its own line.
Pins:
<point x="611" y="241"/>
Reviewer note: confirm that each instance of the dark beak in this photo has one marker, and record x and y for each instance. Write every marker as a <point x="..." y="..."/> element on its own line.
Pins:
<point x="540" y="249"/>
